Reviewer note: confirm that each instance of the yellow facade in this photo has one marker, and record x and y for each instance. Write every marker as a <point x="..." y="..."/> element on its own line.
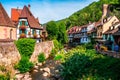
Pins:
<point x="109" y="23"/>
<point x="8" y="33"/>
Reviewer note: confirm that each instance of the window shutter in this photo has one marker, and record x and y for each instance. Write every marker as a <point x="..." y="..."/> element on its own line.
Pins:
<point x="20" y="31"/>
<point x="32" y="31"/>
<point x="20" y="23"/>
<point x="25" y="31"/>
<point x="26" y="24"/>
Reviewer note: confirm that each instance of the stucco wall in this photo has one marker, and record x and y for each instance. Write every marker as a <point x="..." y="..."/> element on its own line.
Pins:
<point x="5" y="33"/>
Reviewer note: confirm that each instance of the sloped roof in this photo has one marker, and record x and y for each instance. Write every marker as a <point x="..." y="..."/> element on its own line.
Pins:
<point x="31" y="19"/>
<point x="4" y="18"/>
<point x="74" y="30"/>
<point x="15" y="14"/>
<point x="111" y="31"/>
<point x="98" y="23"/>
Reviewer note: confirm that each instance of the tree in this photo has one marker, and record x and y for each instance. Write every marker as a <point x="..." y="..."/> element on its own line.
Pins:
<point x="62" y="35"/>
<point x="52" y="30"/>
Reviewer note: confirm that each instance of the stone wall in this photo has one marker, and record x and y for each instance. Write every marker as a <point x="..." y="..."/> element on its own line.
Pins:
<point x="9" y="56"/>
<point x="44" y="47"/>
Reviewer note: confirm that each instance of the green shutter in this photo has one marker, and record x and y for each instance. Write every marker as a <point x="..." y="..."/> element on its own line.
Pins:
<point x="20" y="31"/>
<point x="25" y="31"/>
<point x="32" y="31"/>
<point x="26" y="23"/>
<point x="20" y="23"/>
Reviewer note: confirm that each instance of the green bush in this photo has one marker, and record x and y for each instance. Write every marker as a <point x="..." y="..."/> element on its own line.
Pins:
<point x="74" y="66"/>
<point x="41" y="57"/>
<point x="25" y="46"/>
<point x="24" y="65"/>
<point x="53" y="53"/>
<point x="58" y="57"/>
<point x="81" y="63"/>
<point x="57" y="45"/>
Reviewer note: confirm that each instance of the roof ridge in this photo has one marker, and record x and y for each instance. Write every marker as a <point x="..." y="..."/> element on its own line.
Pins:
<point x="26" y="13"/>
<point x="5" y="19"/>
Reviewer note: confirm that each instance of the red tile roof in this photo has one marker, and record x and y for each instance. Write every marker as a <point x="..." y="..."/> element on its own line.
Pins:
<point x="74" y="30"/>
<point x="4" y="18"/>
<point x="26" y="13"/>
<point x="15" y="14"/>
<point x="98" y="23"/>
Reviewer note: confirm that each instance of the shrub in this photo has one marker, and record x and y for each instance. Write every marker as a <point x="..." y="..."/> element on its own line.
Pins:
<point x="58" y="57"/>
<point x="41" y="57"/>
<point x="53" y="53"/>
<point x="24" y="65"/>
<point x="84" y="64"/>
<point x="25" y="46"/>
<point x="74" y="66"/>
<point x="57" y="45"/>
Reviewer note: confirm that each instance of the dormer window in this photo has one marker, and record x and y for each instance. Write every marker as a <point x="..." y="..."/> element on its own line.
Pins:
<point x="23" y="22"/>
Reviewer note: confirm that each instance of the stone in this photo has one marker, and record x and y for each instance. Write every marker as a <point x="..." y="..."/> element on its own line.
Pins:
<point x="39" y="64"/>
<point x="35" y="70"/>
<point x="19" y="76"/>
<point x="41" y="69"/>
<point x="45" y="74"/>
<point x="27" y="76"/>
<point x="56" y="71"/>
<point x="36" y="67"/>
<point x="1" y="55"/>
<point x="46" y="70"/>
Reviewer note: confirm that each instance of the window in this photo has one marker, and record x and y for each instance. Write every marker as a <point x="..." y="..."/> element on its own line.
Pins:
<point x="23" y="22"/>
<point x="34" y="31"/>
<point x="85" y="39"/>
<point x="100" y="33"/>
<point x="106" y="36"/>
<point x="20" y="31"/>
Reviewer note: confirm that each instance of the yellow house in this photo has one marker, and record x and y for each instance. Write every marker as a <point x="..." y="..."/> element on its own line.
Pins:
<point x="109" y="22"/>
<point x="7" y="29"/>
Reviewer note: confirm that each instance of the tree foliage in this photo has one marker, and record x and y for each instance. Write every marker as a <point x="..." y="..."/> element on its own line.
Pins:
<point x="52" y="30"/>
<point x="57" y="31"/>
<point x="92" y="12"/>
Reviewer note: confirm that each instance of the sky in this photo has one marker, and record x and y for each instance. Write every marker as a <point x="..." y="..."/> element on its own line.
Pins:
<point x="47" y="10"/>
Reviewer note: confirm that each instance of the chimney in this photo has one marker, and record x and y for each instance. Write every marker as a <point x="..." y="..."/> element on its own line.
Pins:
<point x="29" y="6"/>
<point x="105" y="11"/>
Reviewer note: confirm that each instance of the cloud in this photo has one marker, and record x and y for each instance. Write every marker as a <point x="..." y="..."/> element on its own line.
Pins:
<point x="47" y="10"/>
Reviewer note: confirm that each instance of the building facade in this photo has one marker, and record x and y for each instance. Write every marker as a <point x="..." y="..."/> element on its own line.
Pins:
<point x="7" y="29"/>
<point x="28" y="26"/>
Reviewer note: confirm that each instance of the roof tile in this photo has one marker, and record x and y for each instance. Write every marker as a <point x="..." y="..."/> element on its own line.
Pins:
<point x="4" y="18"/>
<point x="26" y="13"/>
